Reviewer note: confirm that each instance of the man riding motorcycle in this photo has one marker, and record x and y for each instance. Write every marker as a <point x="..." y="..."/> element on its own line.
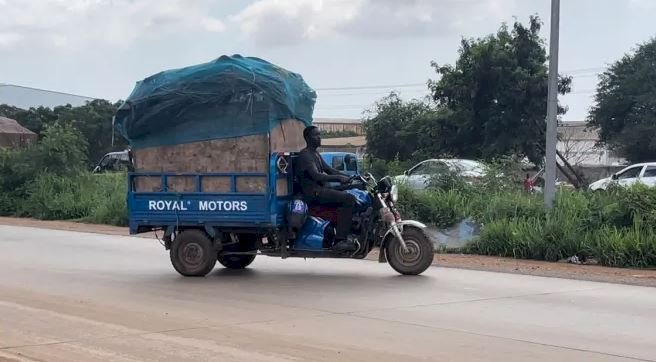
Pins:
<point x="314" y="174"/>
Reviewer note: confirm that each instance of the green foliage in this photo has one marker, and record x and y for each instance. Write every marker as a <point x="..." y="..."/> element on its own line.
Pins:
<point x="111" y="208"/>
<point x="391" y="131"/>
<point x="93" y="121"/>
<point x="93" y="198"/>
<point x="491" y="103"/>
<point x="441" y="208"/>
<point x="61" y="151"/>
<point x="617" y="228"/>
<point x="49" y="181"/>
<point x="496" y="94"/>
<point x="625" y="105"/>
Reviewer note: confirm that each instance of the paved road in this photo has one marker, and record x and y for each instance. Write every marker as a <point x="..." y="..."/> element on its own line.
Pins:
<point x="84" y="297"/>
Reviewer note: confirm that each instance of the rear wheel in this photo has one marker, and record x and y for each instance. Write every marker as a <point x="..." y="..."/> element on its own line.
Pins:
<point x="247" y="243"/>
<point x="192" y="253"/>
<point x="418" y="257"/>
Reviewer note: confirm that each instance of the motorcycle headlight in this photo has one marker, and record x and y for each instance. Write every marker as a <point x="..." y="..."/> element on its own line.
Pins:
<point x="394" y="193"/>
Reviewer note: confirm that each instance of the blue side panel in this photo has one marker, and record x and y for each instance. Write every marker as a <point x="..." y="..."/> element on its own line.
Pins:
<point x="164" y="209"/>
<point x="231" y="208"/>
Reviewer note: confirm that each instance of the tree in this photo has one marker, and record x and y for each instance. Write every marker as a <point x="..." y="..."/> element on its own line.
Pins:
<point x="625" y="105"/>
<point x="93" y="120"/>
<point x="391" y="130"/>
<point x="496" y="94"/>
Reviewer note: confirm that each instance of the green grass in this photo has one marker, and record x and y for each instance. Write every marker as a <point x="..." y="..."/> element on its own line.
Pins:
<point x="91" y="198"/>
<point x="617" y="228"/>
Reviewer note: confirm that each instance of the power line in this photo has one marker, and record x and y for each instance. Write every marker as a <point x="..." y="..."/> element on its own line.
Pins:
<point x="372" y="93"/>
<point x="583" y="72"/>
<point x="381" y="86"/>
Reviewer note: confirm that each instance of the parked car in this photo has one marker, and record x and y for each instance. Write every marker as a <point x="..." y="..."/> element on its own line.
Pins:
<point x="114" y="161"/>
<point x="419" y="176"/>
<point x="346" y="162"/>
<point x="644" y="173"/>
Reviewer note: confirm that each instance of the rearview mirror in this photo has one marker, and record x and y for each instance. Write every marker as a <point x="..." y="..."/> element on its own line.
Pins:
<point x="614" y="177"/>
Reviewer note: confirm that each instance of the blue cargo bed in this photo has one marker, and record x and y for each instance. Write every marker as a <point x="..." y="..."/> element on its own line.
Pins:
<point x="164" y="208"/>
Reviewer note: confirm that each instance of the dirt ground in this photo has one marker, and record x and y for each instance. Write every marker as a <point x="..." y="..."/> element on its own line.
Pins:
<point x="596" y="273"/>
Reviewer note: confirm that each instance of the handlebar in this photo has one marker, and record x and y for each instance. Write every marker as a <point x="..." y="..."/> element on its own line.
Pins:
<point x="351" y="183"/>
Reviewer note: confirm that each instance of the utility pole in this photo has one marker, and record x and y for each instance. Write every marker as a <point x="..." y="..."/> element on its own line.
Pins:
<point x="552" y="109"/>
<point x="113" y="129"/>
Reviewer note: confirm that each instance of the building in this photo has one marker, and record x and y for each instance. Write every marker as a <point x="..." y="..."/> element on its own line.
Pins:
<point x="343" y="126"/>
<point x="26" y="97"/>
<point x="357" y="145"/>
<point x="578" y="144"/>
<point x="13" y="135"/>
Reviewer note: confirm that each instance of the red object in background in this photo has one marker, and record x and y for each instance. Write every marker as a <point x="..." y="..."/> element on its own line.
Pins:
<point x="328" y="213"/>
<point x="528" y="184"/>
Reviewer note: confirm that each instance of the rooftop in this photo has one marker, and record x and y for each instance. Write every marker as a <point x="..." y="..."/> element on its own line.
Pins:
<point x="338" y="120"/>
<point x="28" y="97"/>
<point x="8" y="125"/>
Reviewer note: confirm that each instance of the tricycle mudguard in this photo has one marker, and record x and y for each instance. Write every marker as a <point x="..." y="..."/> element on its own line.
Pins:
<point x="382" y="258"/>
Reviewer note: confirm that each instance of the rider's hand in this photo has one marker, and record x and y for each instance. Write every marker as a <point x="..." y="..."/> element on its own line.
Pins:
<point x="344" y="179"/>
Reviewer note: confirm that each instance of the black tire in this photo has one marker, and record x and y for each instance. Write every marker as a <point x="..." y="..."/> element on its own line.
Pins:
<point x="192" y="253"/>
<point x="247" y="242"/>
<point x="417" y="260"/>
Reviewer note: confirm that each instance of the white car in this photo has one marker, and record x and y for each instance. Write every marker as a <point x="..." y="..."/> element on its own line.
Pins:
<point x="419" y="176"/>
<point x="644" y="173"/>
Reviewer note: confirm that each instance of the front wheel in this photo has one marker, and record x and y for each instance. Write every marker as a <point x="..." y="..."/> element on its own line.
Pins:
<point x="418" y="257"/>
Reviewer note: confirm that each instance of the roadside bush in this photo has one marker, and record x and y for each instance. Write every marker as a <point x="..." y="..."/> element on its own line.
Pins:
<point x="85" y="197"/>
<point x="53" y="197"/>
<point x="439" y="208"/>
<point x="617" y="228"/>
<point x="49" y="181"/>
<point x="111" y="208"/>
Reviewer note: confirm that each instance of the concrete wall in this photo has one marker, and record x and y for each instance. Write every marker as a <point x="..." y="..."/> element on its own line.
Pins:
<point x="356" y="128"/>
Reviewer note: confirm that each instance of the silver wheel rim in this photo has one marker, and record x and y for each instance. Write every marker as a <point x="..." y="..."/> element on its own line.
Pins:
<point x="412" y="256"/>
<point x="192" y="255"/>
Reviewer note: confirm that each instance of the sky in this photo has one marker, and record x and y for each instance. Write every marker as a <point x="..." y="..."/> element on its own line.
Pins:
<point x="352" y="52"/>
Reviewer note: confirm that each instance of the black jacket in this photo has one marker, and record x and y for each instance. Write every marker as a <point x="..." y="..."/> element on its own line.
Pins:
<point x="313" y="172"/>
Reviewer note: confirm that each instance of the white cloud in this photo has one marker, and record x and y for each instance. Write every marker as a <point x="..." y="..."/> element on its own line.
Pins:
<point x="78" y="23"/>
<point x="643" y="4"/>
<point x="9" y="40"/>
<point x="281" y="22"/>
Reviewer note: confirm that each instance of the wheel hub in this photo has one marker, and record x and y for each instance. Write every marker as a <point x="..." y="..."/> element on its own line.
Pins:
<point x="192" y="254"/>
<point x="413" y="253"/>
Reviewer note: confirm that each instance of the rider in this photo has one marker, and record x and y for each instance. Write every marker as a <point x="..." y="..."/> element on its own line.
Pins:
<point x="314" y="174"/>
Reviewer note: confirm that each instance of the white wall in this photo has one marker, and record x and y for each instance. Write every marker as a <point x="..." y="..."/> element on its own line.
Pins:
<point x="23" y="97"/>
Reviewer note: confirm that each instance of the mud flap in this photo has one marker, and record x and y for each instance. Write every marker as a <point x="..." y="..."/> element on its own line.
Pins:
<point x="382" y="256"/>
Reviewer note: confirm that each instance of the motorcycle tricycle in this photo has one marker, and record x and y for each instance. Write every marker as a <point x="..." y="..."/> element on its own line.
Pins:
<point x="200" y="228"/>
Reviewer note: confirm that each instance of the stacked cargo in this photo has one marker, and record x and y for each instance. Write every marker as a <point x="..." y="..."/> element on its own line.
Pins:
<point x="225" y="116"/>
